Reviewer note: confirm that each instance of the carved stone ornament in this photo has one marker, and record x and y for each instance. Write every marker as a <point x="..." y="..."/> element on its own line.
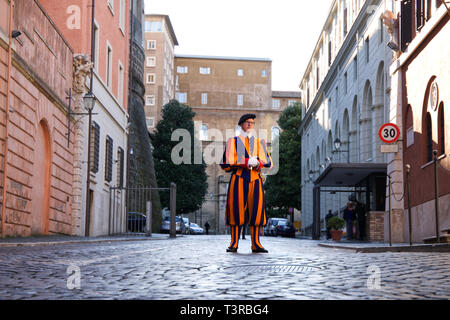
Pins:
<point x="434" y="96"/>
<point x="82" y="66"/>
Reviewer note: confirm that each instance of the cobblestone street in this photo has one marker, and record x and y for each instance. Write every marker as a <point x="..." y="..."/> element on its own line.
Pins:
<point x="198" y="268"/>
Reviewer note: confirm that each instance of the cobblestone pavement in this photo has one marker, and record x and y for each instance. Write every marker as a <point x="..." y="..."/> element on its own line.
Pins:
<point x="198" y="268"/>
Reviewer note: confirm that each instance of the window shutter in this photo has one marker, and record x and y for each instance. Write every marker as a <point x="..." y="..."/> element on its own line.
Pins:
<point x="95" y="147"/>
<point x="405" y="24"/>
<point x="420" y="16"/>
<point x="108" y="158"/>
<point x="120" y="167"/>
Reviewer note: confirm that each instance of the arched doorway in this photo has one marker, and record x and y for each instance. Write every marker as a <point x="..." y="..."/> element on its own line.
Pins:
<point x="40" y="194"/>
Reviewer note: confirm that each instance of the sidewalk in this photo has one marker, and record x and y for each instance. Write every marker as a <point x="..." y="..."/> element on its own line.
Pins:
<point x="66" y="239"/>
<point x="377" y="247"/>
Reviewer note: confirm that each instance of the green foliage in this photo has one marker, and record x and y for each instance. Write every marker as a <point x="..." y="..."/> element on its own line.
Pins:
<point x="336" y="223"/>
<point x="191" y="179"/>
<point x="283" y="189"/>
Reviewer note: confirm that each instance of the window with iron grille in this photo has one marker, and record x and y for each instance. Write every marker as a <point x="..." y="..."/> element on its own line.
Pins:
<point x="95" y="147"/>
<point x="120" y="166"/>
<point x="108" y="158"/>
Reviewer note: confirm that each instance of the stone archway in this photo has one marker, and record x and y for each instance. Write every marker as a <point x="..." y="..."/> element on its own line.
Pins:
<point x="40" y="182"/>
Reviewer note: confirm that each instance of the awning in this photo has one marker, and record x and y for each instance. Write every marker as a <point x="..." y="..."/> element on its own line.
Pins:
<point x="348" y="174"/>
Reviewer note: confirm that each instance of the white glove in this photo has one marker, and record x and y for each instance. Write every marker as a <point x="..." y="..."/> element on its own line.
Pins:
<point x="253" y="162"/>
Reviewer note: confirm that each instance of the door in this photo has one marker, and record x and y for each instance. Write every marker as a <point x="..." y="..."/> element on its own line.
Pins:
<point x="40" y="182"/>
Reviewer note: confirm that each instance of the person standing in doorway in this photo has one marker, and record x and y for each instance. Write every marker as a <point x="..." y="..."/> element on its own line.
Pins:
<point x="245" y="155"/>
<point x="360" y="210"/>
<point x="327" y="217"/>
<point x="207" y="227"/>
<point x="349" y="217"/>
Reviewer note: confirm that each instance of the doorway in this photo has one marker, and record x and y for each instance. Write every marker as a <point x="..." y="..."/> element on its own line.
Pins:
<point x="40" y="182"/>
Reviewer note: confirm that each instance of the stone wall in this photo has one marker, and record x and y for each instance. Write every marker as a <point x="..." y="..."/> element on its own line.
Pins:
<point x="39" y="155"/>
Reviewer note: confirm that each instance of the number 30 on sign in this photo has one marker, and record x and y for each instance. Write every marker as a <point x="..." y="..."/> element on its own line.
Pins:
<point x="389" y="133"/>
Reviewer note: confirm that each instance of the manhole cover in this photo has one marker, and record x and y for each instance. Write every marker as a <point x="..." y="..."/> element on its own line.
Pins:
<point x="280" y="268"/>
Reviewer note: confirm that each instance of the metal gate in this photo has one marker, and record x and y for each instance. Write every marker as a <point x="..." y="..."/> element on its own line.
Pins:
<point x="130" y="209"/>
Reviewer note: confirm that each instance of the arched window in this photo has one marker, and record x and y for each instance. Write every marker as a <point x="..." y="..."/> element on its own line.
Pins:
<point x="275" y="133"/>
<point x="429" y="138"/>
<point x="441" y="129"/>
<point x="204" y="133"/>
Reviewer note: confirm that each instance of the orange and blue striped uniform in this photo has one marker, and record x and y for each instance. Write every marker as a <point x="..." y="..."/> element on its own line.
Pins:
<point x="245" y="199"/>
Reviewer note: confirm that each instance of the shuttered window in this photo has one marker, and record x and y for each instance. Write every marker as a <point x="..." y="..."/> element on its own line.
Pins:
<point x="108" y="158"/>
<point x="420" y="13"/>
<point x="95" y="147"/>
<point x="120" y="166"/>
<point x="405" y="24"/>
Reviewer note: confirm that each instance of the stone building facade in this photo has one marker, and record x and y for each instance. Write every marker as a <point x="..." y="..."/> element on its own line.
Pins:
<point x="34" y="131"/>
<point x="220" y="90"/>
<point x="109" y="132"/>
<point x="346" y="90"/>
<point x="160" y="42"/>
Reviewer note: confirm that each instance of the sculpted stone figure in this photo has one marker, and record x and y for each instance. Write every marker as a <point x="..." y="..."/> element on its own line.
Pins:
<point x="391" y="24"/>
<point x="82" y="66"/>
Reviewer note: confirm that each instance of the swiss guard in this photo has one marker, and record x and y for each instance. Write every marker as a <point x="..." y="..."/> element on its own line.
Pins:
<point x="245" y="155"/>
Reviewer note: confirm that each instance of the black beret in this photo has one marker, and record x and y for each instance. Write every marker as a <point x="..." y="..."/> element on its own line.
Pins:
<point x="245" y="117"/>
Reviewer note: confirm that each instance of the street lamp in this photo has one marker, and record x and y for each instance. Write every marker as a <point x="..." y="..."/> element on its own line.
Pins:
<point x="89" y="101"/>
<point x="311" y="174"/>
<point x="338" y="144"/>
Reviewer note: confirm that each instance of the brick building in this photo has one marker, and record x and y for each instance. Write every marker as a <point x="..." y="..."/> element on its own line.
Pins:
<point x="420" y="92"/>
<point x="39" y="168"/>
<point x="220" y="90"/>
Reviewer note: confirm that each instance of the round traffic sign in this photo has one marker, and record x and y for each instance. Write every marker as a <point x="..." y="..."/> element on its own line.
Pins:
<point x="389" y="133"/>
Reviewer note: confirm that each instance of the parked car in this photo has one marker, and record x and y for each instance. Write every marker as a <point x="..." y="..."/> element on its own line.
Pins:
<point x="179" y="225"/>
<point x="285" y="229"/>
<point x="195" y="229"/>
<point x="186" y="225"/>
<point x="136" y="222"/>
<point x="271" y="227"/>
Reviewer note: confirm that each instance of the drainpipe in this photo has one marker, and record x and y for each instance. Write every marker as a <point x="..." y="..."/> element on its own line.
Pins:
<point x="8" y="100"/>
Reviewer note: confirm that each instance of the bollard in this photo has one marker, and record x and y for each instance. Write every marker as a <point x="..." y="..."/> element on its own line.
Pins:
<point x="408" y="169"/>
<point x="173" y="209"/>
<point x="148" y="224"/>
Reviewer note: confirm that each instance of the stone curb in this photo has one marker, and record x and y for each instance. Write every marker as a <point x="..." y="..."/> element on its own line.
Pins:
<point x="415" y="248"/>
<point x="53" y="243"/>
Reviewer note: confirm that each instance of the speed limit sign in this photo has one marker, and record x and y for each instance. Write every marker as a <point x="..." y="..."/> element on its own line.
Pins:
<point x="389" y="133"/>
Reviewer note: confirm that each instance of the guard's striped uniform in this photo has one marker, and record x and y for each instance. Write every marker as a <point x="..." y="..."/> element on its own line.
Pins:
<point x="245" y="199"/>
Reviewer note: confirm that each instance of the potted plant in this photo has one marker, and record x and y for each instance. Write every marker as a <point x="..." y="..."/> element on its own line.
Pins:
<point x="336" y="224"/>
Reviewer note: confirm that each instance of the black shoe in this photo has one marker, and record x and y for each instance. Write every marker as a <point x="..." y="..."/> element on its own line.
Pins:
<point x="232" y="249"/>
<point x="259" y="250"/>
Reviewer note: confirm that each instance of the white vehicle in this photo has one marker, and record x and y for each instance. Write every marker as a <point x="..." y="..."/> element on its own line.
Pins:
<point x="195" y="229"/>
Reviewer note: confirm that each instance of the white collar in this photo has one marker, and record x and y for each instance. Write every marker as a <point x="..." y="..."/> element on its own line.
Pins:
<point x="244" y="134"/>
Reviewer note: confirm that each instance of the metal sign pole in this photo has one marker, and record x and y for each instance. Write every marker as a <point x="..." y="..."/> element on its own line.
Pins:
<point x="408" y="168"/>
<point x="436" y="196"/>
<point x="390" y="213"/>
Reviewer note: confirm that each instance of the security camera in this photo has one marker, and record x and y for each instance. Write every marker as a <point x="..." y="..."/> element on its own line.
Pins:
<point x="392" y="45"/>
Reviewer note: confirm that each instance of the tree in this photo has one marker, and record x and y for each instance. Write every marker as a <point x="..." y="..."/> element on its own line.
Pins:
<point x="189" y="177"/>
<point x="283" y="189"/>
